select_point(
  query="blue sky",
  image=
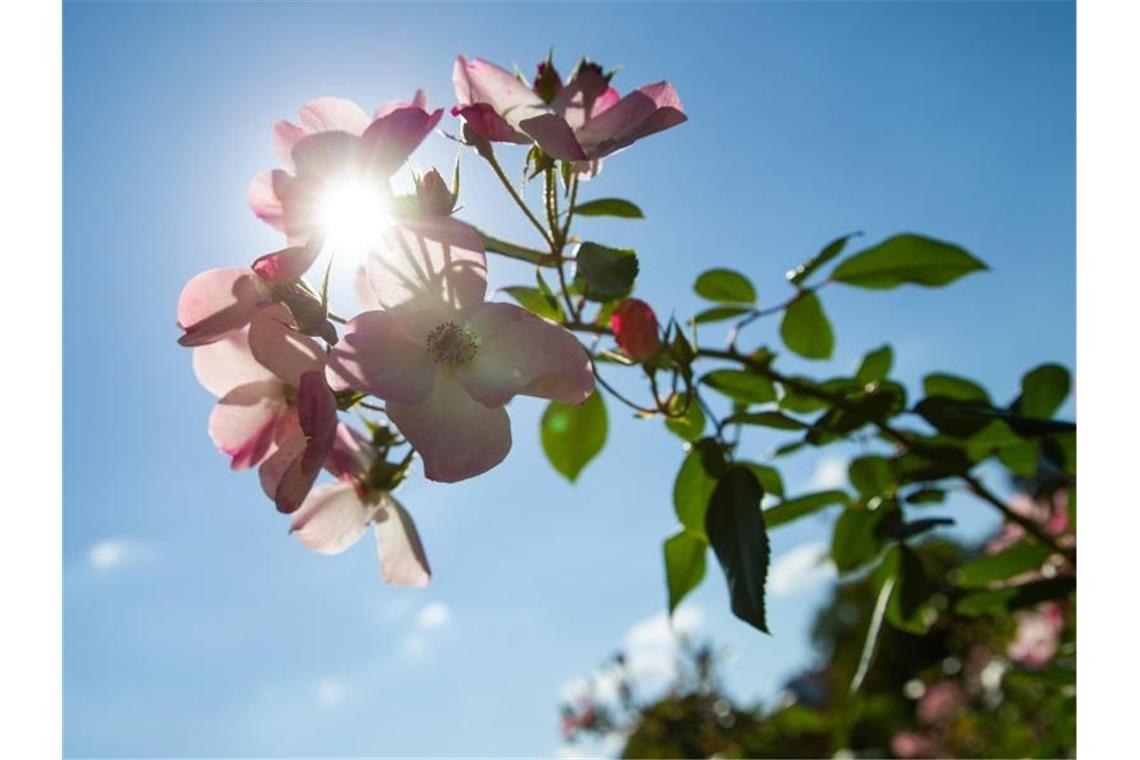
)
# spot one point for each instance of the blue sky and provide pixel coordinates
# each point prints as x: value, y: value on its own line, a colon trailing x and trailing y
x: 193, y: 624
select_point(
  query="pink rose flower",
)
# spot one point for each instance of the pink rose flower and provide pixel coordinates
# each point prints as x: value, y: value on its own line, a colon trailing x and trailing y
x: 335, y: 515
x: 275, y: 408
x: 1038, y: 635
x: 584, y: 121
x: 445, y: 361
x: 635, y: 329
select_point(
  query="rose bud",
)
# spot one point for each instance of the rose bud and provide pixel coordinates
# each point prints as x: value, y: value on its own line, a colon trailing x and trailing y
x: 434, y: 196
x: 635, y: 328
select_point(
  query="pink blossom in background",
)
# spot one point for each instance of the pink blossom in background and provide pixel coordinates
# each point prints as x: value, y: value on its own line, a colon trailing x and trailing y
x: 1038, y: 635
x: 911, y: 745
x: 445, y: 361
x: 941, y: 702
x: 335, y: 515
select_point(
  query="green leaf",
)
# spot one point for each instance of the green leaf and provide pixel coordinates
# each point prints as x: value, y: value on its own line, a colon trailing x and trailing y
x: 602, y: 273
x: 876, y: 366
x: 684, y: 565
x: 1043, y: 390
x: 572, y: 434
x: 1022, y: 557
x: 1015, y: 597
x: 766, y: 419
x: 801, y: 506
x: 855, y: 539
x: 494, y: 245
x: 689, y: 427
x: 913, y: 528
x: 953, y: 387
x: 1021, y: 458
x: 609, y: 207
x: 926, y: 496
x: 695, y: 482
x: 720, y: 313
x: 741, y: 386
x: 805, y: 328
x: 906, y: 258
x: 735, y: 528
x: 829, y: 252
x: 963, y: 419
x: 725, y: 286
x: 912, y: 588
x: 871, y: 475
x: 795, y: 401
x: 768, y: 477
x: 533, y: 300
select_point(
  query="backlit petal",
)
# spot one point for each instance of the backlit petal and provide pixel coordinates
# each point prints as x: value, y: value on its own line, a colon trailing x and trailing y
x: 242, y: 422
x: 384, y: 353
x: 329, y: 114
x: 331, y: 519
x: 430, y: 263
x: 227, y: 363
x: 403, y: 561
x: 217, y: 301
x: 285, y: 352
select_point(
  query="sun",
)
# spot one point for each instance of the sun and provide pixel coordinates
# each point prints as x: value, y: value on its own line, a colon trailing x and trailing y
x: 354, y: 214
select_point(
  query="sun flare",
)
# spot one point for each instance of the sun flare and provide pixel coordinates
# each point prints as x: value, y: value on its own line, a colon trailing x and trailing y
x: 354, y: 214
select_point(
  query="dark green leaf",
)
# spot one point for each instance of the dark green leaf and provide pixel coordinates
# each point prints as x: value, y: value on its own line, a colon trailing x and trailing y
x: 926, y: 496
x: 533, y: 300
x: 1022, y: 458
x: 887, y: 400
x: 912, y: 588
x: 793, y: 509
x: 768, y: 477
x: 871, y: 475
x: 692, y: 424
x: 572, y: 434
x: 964, y: 419
x: 805, y: 328
x: 856, y: 537
x: 766, y: 419
x: 720, y: 313
x: 725, y: 286
x: 604, y: 273
x: 829, y: 252
x: 609, y: 207
x: 913, y: 528
x: 684, y: 565
x: 906, y: 258
x: 1022, y: 557
x: 876, y: 366
x: 953, y: 387
x: 736, y: 533
x: 695, y: 482
x: 1043, y: 390
x: 741, y: 386
x: 1015, y: 597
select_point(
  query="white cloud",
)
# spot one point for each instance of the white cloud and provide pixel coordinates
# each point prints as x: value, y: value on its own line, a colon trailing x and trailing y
x: 108, y: 553
x: 800, y: 569
x: 830, y: 472
x: 330, y: 692
x: 432, y: 616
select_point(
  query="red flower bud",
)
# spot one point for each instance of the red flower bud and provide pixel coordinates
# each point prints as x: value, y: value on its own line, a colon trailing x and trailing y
x: 434, y: 196
x: 635, y: 327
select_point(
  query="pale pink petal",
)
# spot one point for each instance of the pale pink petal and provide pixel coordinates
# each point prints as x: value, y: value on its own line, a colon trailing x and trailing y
x: 264, y: 202
x: 419, y: 100
x: 605, y: 102
x: 523, y: 353
x: 578, y: 101
x: 433, y: 262
x: 227, y: 363
x: 457, y: 436
x: 363, y: 289
x: 403, y: 561
x: 217, y: 301
x: 286, y: 135
x: 331, y: 519
x: 650, y: 109
x: 285, y: 265
x: 288, y: 445
x: 352, y: 453
x: 486, y: 123
x: 327, y: 155
x: 555, y: 137
x: 285, y: 352
x: 389, y: 140
x: 479, y: 81
x: 316, y: 411
x: 384, y: 353
x: 242, y: 423
x: 333, y: 114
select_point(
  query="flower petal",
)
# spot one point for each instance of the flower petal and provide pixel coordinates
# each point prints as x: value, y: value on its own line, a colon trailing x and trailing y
x: 217, y: 301
x: 327, y: 155
x: 578, y: 101
x: 286, y: 265
x: 479, y: 81
x: 555, y: 137
x: 227, y: 363
x: 331, y: 519
x: 389, y: 140
x: 430, y: 263
x: 286, y: 135
x: 383, y: 353
x: 457, y: 437
x: 649, y: 109
x: 352, y: 453
x: 403, y: 561
x: 316, y: 411
x: 242, y: 423
x: 419, y: 100
x: 288, y: 444
x: 285, y: 352
x: 264, y: 202
x: 331, y: 114
x: 486, y: 123
x: 523, y: 353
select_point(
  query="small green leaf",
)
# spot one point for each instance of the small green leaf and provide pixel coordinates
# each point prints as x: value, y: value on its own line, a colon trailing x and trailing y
x: 906, y: 258
x: 805, y: 328
x: 912, y: 588
x: 741, y: 386
x: 533, y: 300
x: 735, y: 528
x: 913, y: 528
x: 766, y: 419
x: 926, y: 496
x: 855, y: 539
x: 1015, y: 597
x: 768, y: 477
x: 1043, y: 390
x: 829, y: 252
x: 871, y: 475
x: 1021, y: 458
x: 692, y: 424
x: 953, y: 387
x: 720, y: 313
x: 695, y: 482
x: 801, y: 506
x: 1022, y: 557
x: 876, y: 366
x: 572, y: 434
x: 602, y: 273
x: 725, y: 286
x: 684, y: 565
x: 609, y: 207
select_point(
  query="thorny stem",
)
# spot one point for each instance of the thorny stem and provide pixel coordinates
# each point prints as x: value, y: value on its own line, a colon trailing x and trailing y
x: 490, y: 158
x: 557, y: 242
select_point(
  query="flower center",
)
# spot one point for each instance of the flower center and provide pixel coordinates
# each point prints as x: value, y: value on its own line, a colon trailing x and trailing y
x: 452, y: 345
